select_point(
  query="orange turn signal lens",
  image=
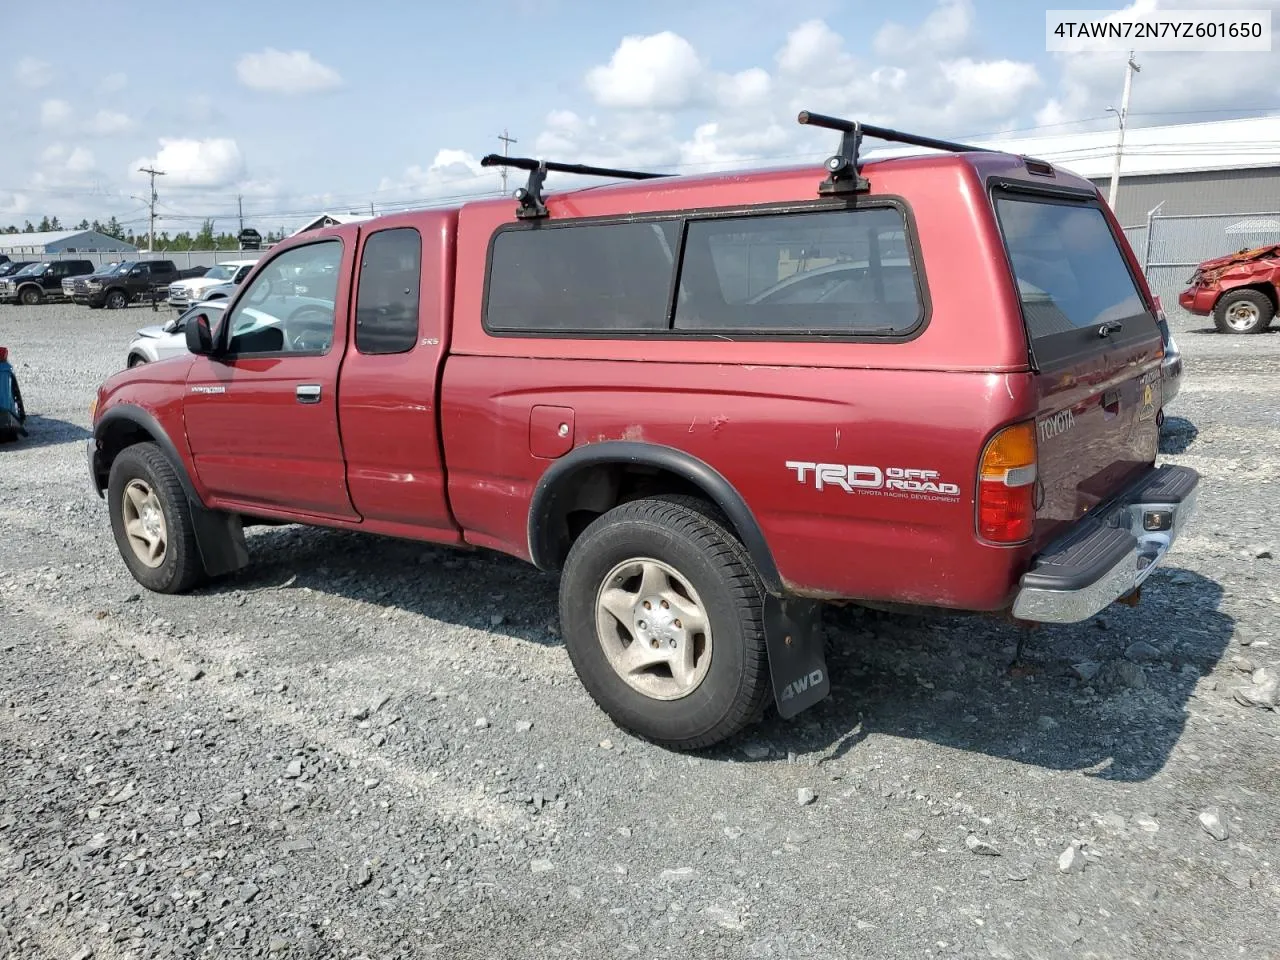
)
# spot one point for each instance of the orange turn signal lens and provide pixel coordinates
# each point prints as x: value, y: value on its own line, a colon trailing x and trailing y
x: 1006, y: 485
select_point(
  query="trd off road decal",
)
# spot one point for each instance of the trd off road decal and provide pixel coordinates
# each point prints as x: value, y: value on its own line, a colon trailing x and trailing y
x: 902, y: 483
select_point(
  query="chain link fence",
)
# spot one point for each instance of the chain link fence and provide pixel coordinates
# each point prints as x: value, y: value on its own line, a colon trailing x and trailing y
x: 1171, y: 247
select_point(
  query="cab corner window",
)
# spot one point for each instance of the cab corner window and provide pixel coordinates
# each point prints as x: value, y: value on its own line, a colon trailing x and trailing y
x: 387, y: 297
x: 289, y: 307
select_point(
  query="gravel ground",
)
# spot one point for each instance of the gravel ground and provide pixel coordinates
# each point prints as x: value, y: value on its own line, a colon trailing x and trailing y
x: 368, y: 748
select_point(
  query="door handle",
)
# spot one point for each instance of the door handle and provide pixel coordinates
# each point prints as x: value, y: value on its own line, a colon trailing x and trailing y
x: 307, y: 392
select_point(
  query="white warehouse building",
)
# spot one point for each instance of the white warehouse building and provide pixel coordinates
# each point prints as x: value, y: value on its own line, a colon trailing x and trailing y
x: 60, y: 243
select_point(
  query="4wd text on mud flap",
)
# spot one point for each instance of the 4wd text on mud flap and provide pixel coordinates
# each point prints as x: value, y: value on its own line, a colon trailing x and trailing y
x: 853, y: 478
x: 811, y: 679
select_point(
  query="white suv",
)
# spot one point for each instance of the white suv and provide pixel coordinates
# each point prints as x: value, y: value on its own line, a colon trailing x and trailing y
x: 186, y: 292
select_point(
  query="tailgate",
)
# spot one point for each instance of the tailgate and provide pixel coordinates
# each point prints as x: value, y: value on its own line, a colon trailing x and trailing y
x: 1096, y: 348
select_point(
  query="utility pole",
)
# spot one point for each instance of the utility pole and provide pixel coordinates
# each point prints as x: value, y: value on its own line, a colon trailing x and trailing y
x: 1122, y: 114
x: 151, y: 241
x: 506, y: 143
x: 240, y: 210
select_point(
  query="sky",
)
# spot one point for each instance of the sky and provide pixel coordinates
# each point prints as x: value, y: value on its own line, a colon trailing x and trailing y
x: 300, y: 106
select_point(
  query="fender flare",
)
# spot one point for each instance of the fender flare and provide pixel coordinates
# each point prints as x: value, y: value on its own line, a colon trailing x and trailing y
x: 128, y: 413
x: 710, y: 481
x: 219, y: 535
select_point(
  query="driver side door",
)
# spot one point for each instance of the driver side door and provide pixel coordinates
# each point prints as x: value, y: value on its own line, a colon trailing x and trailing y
x: 261, y: 412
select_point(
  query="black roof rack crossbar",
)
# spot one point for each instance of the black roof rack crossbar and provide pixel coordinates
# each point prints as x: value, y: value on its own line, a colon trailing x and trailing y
x: 532, y: 203
x: 843, y: 169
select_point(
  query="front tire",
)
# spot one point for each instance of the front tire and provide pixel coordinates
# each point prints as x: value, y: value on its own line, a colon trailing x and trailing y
x: 661, y: 612
x: 136, y: 360
x: 151, y: 520
x: 116, y: 300
x: 30, y: 296
x: 1243, y: 311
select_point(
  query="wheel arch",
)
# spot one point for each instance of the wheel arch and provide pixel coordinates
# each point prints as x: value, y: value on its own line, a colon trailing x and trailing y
x: 597, y: 477
x: 1264, y: 287
x: 123, y: 426
x: 219, y: 535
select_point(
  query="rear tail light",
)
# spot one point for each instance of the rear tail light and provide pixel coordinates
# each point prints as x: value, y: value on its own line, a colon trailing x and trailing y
x: 1007, y: 484
x: 4, y: 354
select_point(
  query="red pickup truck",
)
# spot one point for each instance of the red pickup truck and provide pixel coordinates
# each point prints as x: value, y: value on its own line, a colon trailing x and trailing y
x: 712, y: 403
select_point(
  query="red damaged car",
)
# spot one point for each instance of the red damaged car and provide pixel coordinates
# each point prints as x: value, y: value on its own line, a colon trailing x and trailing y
x: 1238, y: 289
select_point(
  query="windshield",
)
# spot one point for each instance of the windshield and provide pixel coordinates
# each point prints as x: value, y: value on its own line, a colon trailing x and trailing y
x: 31, y: 270
x: 109, y: 268
x: 11, y: 268
x: 220, y: 271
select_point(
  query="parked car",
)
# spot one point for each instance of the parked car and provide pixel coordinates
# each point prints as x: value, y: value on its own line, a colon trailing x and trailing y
x: 11, y: 267
x: 163, y: 340
x: 41, y: 281
x: 13, y: 415
x: 592, y: 382
x: 186, y: 292
x: 76, y: 289
x: 130, y: 282
x: 1240, y: 290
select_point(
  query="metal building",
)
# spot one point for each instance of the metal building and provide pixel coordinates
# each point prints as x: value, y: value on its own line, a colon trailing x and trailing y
x: 1218, y: 167
x: 56, y: 242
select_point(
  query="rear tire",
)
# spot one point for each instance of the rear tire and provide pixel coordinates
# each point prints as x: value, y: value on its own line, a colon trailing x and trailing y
x: 1243, y: 312
x: 151, y: 520
x: 661, y: 611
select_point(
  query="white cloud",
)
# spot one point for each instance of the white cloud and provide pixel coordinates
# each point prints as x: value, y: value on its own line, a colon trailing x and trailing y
x: 55, y: 114
x: 113, y: 83
x: 450, y: 173
x: 947, y: 29
x: 930, y: 75
x: 80, y: 160
x: 215, y: 162
x: 287, y: 72
x: 989, y: 88
x: 661, y: 71
x: 106, y: 123
x: 32, y: 73
x: 63, y: 168
x: 812, y: 46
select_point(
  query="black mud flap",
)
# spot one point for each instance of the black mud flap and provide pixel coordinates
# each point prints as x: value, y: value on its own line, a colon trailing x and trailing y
x: 797, y: 661
x: 220, y: 539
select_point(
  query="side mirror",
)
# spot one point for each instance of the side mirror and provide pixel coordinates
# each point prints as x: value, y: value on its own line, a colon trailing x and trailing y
x: 199, y: 336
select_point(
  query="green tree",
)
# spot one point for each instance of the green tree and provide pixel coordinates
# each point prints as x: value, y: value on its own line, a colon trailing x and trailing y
x: 97, y: 225
x: 11, y: 229
x: 28, y: 228
x: 44, y: 225
x: 204, y: 239
x: 54, y: 224
x: 113, y: 229
x: 84, y: 225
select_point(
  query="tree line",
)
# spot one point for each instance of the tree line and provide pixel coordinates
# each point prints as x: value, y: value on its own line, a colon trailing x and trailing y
x: 203, y: 239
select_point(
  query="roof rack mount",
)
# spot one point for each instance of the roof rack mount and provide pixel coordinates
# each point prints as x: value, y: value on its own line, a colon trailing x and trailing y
x: 844, y: 173
x: 532, y: 202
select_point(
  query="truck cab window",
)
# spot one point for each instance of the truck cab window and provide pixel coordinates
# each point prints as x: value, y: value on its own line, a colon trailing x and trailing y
x: 387, y: 300
x: 289, y: 307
